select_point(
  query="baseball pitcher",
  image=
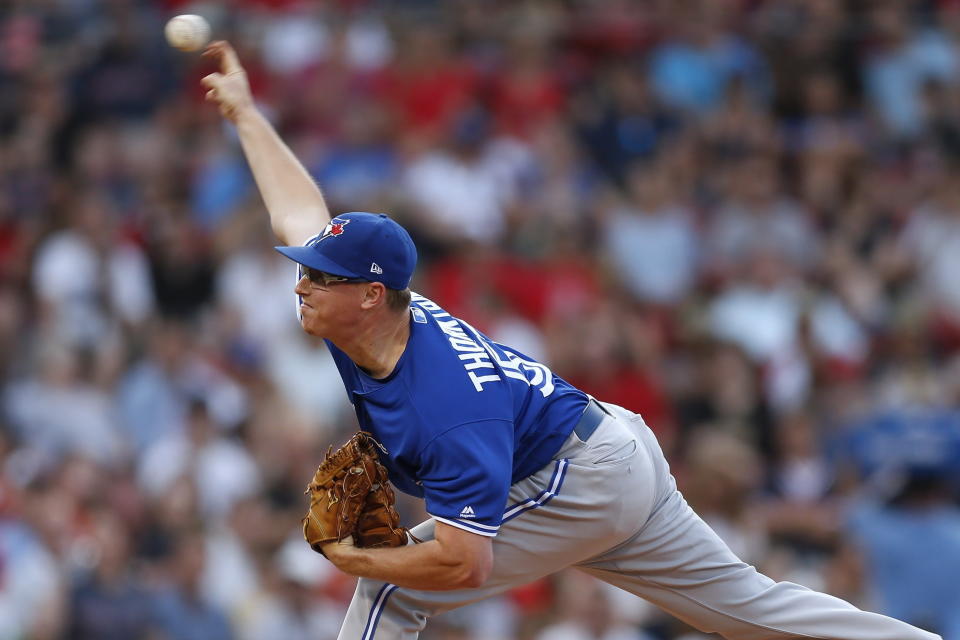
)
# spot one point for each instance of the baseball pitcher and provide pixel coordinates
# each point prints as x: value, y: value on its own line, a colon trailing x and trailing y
x: 521, y: 473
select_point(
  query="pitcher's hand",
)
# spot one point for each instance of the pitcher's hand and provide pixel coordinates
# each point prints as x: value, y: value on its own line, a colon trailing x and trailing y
x: 228, y: 88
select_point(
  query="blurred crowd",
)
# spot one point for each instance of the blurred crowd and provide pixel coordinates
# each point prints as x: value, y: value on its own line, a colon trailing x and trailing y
x: 740, y: 218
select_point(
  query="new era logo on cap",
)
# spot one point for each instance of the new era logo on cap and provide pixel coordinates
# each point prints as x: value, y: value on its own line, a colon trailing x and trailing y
x: 360, y: 245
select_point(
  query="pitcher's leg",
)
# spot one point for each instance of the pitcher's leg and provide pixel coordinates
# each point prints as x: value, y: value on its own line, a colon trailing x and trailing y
x: 678, y: 563
x: 561, y: 515
x: 365, y: 616
x: 366, y: 609
x: 381, y: 611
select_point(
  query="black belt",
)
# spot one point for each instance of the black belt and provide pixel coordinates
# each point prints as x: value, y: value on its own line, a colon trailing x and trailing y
x: 590, y: 420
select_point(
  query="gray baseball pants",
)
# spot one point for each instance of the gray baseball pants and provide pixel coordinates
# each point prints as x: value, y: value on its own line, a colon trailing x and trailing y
x: 611, y: 508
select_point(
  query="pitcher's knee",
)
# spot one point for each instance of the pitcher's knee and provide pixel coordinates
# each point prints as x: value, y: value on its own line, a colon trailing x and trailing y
x: 383, y: 596
x: 377, y: 595
x: 384, y: 606
x: 368, y: 588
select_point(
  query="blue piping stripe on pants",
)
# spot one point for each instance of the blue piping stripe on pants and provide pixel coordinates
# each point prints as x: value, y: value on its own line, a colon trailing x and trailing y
x: 556, y: 482
x: 378, y: 605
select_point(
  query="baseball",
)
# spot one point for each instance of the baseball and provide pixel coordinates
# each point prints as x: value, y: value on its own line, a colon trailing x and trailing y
x: 187, y: 32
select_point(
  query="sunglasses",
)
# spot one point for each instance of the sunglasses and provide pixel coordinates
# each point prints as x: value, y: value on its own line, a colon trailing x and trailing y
x: 323, y: 279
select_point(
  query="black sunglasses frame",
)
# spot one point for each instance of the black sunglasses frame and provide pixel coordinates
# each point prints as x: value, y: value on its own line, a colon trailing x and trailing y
x: 324, y: 280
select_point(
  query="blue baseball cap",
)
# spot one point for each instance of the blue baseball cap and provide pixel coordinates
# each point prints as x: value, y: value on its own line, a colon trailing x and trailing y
x: 370, y: 246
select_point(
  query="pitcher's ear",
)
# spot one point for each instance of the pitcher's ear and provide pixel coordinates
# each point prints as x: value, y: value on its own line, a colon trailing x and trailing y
x: 374, y: 293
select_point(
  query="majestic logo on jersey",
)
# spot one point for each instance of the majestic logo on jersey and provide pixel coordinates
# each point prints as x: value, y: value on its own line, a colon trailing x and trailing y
x: 334, y: 228
x: 468, y: 512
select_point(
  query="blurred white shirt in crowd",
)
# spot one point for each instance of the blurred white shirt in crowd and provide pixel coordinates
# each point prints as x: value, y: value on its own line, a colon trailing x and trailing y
x: 75, y: 419
x: 222, y: 471
x: 258, y: 285
x: 782, y: 227
x: 58, y: 411
x: 522, y: 335
x: 230, y: 576
x: 30, y: 581
x: 932, y: 239
x: 72, y: 276
x: 762, y: 321
x: 467, y: 200
x: 304, y: 372
x: 296, y: 40
x: 655, y: 254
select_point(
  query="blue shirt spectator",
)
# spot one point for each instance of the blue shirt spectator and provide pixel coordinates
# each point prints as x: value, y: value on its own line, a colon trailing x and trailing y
x: 695, y: 74
x: 912, y: 549
x: 181, y: 617
x: 180, y: 611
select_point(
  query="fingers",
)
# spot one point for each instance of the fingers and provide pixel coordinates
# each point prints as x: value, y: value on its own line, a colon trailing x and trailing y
x: 230, y: 63
x: 212, y: 81
x: 230, y: 93
x: 214, y: 50
x: 226, y: 57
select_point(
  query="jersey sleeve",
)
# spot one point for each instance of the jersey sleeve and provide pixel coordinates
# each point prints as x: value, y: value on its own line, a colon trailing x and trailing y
x: 465, y: 474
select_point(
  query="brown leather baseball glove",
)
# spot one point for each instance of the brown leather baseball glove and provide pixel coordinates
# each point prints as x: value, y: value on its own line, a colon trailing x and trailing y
x: 350, y: 495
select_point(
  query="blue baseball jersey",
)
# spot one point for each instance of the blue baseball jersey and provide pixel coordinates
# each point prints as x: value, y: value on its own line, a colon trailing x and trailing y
x: 462, y: 417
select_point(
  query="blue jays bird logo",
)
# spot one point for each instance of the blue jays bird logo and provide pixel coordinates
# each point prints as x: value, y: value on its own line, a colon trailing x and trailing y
x: 334, y: 228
